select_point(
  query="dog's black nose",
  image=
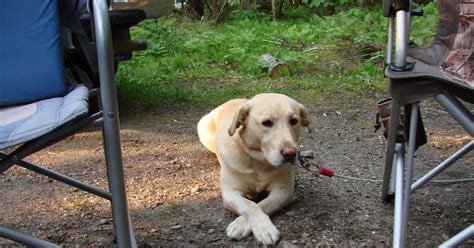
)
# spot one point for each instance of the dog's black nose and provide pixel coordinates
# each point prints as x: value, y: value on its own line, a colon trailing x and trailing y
x: 289, y: 153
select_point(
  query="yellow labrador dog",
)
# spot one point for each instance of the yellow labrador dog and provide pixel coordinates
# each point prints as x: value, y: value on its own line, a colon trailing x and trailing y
x: 256, y: 144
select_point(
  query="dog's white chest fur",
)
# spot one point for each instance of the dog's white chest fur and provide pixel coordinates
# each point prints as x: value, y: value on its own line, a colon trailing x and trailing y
x: 256, y: 178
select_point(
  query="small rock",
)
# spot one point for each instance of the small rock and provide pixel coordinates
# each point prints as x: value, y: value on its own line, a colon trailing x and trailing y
x: 444, y: 236
x: 215, y: 239
x: 290, y: 213
x: 195, y: 189
x: 305, y: 235
x: 285, y: 244
x: 238, y: 246
x: 307, y: 154
x: 210, y: 231
x: 104, y: 221
x: 176, y: 227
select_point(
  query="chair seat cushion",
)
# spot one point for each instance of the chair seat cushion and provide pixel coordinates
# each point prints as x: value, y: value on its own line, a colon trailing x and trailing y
x: 22, y: 123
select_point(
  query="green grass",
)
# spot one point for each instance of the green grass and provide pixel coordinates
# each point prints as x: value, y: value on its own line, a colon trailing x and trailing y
x: 199, y: 63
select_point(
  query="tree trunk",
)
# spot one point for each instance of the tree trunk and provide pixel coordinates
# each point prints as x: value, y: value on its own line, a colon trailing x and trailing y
x: 245, y: 4
x: 196, y: 9
x: 274, y: 17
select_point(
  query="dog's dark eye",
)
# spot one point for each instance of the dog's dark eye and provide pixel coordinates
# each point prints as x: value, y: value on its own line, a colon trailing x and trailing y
x: 293, y: 121
x: 267, y: 123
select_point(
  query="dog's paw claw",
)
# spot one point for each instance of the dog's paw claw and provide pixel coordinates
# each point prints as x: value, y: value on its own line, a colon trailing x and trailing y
x: 238, y: 229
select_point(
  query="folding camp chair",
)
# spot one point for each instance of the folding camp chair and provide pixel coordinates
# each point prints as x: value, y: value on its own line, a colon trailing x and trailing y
x: 43, y: 101
x: 444, y: 71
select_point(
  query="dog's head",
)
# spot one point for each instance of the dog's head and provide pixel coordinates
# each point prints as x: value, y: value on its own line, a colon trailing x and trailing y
x: 269, y: 126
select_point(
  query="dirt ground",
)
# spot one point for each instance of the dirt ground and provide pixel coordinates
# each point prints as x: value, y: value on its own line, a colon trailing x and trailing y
x: 174, y: 197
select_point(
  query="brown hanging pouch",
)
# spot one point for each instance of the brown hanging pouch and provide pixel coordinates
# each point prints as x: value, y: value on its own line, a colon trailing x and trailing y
x: 403, y: 129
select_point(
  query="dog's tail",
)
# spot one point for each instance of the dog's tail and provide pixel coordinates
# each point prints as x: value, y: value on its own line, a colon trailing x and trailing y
x: 207, y: 129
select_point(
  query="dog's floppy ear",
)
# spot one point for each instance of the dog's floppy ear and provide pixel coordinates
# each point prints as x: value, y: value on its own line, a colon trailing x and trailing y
x: 239, y: 119
x: 305, y: 117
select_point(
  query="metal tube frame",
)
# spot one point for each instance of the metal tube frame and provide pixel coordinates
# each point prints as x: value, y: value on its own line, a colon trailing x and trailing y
x: 399, y: 160
x: 401, y: 38
x: 392, y: 133
x: 404, y: 175
x: 61, y: 177
x: 457, y: 110
x: 111, y: 129
x: 401, y: 43
x: 23, y: 238
x: 409, y: 168
x: 442, y: 166
x: 459, y: 238
x: 465, y: 118
x: 389, y: 58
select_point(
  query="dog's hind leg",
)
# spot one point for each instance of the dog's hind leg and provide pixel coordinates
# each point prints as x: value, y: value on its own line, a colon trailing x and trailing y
x: 207, y: 128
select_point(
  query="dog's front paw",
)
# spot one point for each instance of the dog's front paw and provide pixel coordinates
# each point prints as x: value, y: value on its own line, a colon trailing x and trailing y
x: 264, y: 230
x: 238, y: 229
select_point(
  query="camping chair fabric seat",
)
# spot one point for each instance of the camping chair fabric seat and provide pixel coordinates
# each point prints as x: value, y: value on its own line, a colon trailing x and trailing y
x: 26, y: 122
x: 452, y: 50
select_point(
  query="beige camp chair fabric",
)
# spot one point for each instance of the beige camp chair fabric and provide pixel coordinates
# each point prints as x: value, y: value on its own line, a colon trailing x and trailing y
x: 459, y: 62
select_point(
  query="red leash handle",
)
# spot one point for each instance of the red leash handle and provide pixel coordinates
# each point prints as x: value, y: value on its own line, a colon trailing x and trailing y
x: 326, y: 171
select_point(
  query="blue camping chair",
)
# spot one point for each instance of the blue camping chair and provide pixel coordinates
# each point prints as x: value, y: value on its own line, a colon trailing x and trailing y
x: 43, y: 97
x: 443, y: 71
